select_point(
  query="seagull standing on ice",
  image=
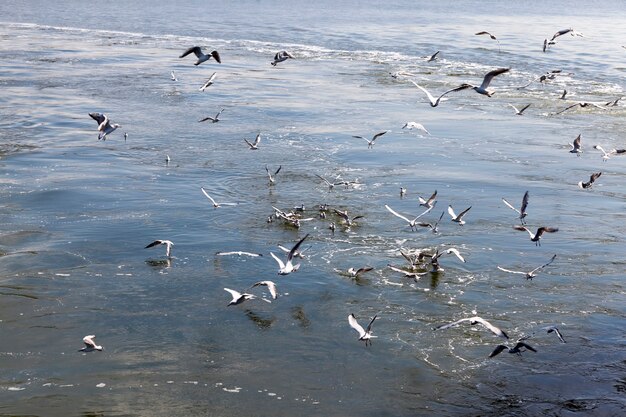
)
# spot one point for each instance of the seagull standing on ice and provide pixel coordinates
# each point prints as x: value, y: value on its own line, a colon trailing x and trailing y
x: 168, y: 246
x: 370, y: 143
x: 522, y: 211
x: 238, y: 297
x: 201, y: 57
x: 474, y: 321
x: 535, y: 237
x: 458, y: 219
x: 364, y: 334
x: 288, y: 267
x: 90, y: 345
x: 530, y: 274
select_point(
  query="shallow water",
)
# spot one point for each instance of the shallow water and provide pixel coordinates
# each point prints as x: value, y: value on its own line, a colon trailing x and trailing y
x: 77, y: 212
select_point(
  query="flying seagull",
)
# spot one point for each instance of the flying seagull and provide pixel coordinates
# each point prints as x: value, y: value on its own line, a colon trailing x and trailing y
x: 434, y: 260
x: 104, y: 125
x: 364, y: 334
x: 565, y: 31
x: 592, y: 179
x: 370, y: 143
x: 522, y: 210
x: 520, y: 112
x: 530, y: 274
x: 201, y: 57
x: 482, y: 89
x: 430, y: 202
x: 535, y: 237
x: 433, y: 227
x: 270, y: 286
x: 576, y: 146
x: 288, y: 267
x: 555, y: 330
x: 582, y: 104
x: 458, y: 219
x: 173, y: 76
x: 356, y: 273
x: 90, y: 345
x: 238, y: 253
x: 215, y: 204
x: 168, y: 246
x: 432, y: 57
x: 238, y: 297
x: 563, y: 95
x: 271, y: 177
x: 208, y: 82
x: 474, y: 321
x: 412, y: 223
x: 213, y: 119
x: 331, y: 185
x: 414, y: 125
x: 490, y: 35
x: 254, y: 146
x: 518, y: 349
x: 434, y: 102
x: 607, y: 155
x: 280, y: 57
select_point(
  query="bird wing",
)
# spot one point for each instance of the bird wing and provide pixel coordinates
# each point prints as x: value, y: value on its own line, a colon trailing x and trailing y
x: 433, y: 101
x: 325, y: 180
x: 432, y: 198
x: 456, y: 253
x: 88, y: 340
x: 567, y: 108
x: 281, y: 264
x: 208, y: 196
x: 377, y: 135
x: 497, y: 350
x: 363, y: 270
x: 524, y: 345
x: 515, y: 108
x: 216, y: 56
x: 554, y: 329
x: 369, y: 326
x: 489, y: 76
x: 235, y: 294
x: 278, y: 170
x: 207, y: 118
x: 295, y: 248
x: 448, y: 325
x: 451, y: 212
x: 98, y: 117
x: 495, y: 330
x: 257, y: 140
x: 433, y: 56
x: 461, y: 214
x: 576, y: 143
x: 524, y: 108
x: 522, y: 228
x: 544, y: 265
x: 248, y: 142
x: 512, y: 272
x: 195, y: 49
x: 361, y: 137
x: 510, y: 206
x: 594, y: 176
x: 397, y: 214
x: 355, y: 325
x: 424, y: 213
x: 543, y: 229
x: 524, y: 203
x: 153, y: 244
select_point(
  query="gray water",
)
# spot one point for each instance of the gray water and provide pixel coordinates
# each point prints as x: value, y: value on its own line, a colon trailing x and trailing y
x: 76, y: 212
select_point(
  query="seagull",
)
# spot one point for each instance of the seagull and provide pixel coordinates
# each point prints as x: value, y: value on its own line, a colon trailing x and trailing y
x: 581, y: 104
x: 271, y: 177
x: 215, y: 204
x: 288, y: 267
x: 482, y: 89
x: 90, y: 345
x: 415, y: 260
x: 520, y: 112
x: 530, y: 274
x: 613, y: 103
x: 550, y: 75
x: 370, y: 143
x: 365, y: 335
x: 564, y: 94
x: 173, y: 76
x: 238, y: 253
x: 433, y: 227
x: 411, y: 223
x: 213, y: 119
x: 201, y: 57
x: 356, y: 273
x: 474, y: 321
x: 402, y: 192
x: 208, y: 82
x: 490, y: 35
x: 434, y: 102
x: 331, y: 185
x: 254, y: 146
x: 270, y: 286
x: 592, y: 178
x: 555, y: 330
x: 125, y: 136
x: 606, y: 155
x: 434, y: 260
x: 458, y: 219
x: 238, y: 297
x: 522, y: 211
x: 576, y: 146
x: 430, y: 202
x: 168, y: 246
x: 518, y: 349
x: 104, y: 125
x: 547, y: 43
x: 433, y: 57
x: 296, y: 254
x: 540, y: 231
x: 167, y: 160
x: 565, y: 31
x: 344, y: 215
x: 407, y: 274
x: 414, y: 125
x: 280, y: 57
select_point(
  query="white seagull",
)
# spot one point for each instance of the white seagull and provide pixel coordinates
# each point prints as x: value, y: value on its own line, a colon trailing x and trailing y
x: 288, y: 267
x: 474, y: 321
x: 458, y: 219
x: 530, y: 274
x: 104, y: 125
x: 202, y: 57
x: 565, y: 31
x: 215, y: 204
x: 520, y: 112
x: 238, y: 253
x: 90, y: 345
x: 430, y: 202
x: 168, y: 246
x: 490, y: 35
x: 238, y: 297
x: 607, y: 155
x: 364, y: 334
x: 331, y: 185
x: 254, y: 146
x: 434, y: 260
x: 576, y: 146
x: 535, y: 237
x: 434, y: 102
x: 208, y: 82
x: 173, y: 76
x: 271, y: 177
x: 592, y: 179
x: 482, y: 89
x: 415, y: 125
x: 370, y: 143
x: 356, y: 273
x: 213, y: 119
x: 280, y: 57
x: 522, y: 210
x: 412, y: 223
x: 270, y: 286
x: 517, y: 349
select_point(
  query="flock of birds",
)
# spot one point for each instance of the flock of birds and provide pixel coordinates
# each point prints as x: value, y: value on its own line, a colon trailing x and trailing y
x: 418, y: 262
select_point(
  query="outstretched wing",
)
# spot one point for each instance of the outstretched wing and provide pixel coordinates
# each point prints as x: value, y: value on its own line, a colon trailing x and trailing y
x: 397, y: 214
x: 356, y: 326
x: 195, y: 49
x: 489, y: 76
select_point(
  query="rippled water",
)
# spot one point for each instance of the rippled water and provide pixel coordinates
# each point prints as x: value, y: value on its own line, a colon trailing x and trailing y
x: 77, y: 212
